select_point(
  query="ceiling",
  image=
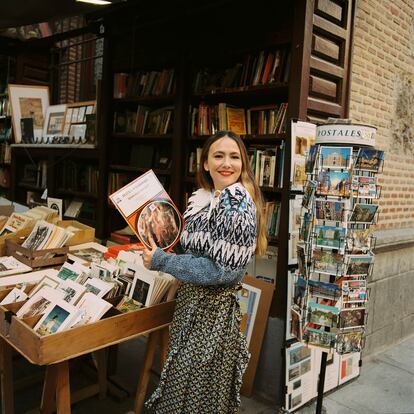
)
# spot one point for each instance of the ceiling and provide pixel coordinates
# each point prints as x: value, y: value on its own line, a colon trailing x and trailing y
x: 22, y: 12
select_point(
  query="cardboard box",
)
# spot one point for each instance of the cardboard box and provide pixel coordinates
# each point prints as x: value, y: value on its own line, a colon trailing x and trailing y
x: 84, y: 235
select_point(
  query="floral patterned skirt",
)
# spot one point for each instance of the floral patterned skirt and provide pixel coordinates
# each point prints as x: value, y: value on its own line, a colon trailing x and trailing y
x: 207, y: 354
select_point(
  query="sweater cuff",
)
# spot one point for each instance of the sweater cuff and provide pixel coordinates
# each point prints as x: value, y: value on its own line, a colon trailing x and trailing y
x: 157, y: 259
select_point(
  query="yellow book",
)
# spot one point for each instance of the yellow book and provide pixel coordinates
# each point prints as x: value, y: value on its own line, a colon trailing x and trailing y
x: 236, y: 120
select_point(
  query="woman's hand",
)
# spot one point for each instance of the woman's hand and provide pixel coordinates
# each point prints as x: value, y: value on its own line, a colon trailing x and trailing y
x: 147, y: 254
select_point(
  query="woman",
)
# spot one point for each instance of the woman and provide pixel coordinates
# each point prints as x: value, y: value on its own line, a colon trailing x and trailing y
x: 207, y: 353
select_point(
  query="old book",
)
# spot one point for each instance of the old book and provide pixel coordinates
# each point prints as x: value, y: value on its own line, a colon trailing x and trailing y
x: 236, y: 120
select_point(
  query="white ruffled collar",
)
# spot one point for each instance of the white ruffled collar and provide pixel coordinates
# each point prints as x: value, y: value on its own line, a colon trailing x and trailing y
x: 202, y: 198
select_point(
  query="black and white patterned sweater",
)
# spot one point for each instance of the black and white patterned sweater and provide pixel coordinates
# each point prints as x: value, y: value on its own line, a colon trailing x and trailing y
x: 219, y: 238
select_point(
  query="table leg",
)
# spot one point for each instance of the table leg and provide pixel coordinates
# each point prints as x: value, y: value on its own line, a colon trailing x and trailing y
x: 153, y: 338
x: 63, y: 388
x: 165, y: 335
x: 47, y: 405
x: 7, y: 398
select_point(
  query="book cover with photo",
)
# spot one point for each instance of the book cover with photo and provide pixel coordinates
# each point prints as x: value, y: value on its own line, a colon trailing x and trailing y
x: 149, y: 211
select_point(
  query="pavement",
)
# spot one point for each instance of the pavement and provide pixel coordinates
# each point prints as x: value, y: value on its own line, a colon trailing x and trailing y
x: 385, y: 386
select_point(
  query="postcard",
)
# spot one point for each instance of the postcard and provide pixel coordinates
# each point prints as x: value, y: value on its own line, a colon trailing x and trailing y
x: 351, y: 341
x: 328, y: 210
x: 15, y: 295
x: 302, y: 261
x: 249, y: 298
x: 98, y: 287
x: 335, y: 157
x: 323, y: 315
x: 45, y: 281
x: 358, y: 241
x: 311, y: 159
x: 72, y: 290
x: 363, y: 213
x: 333, y: 183
x: 11, y: 266
x: 349, y: 367
x: 306, y: 226
x: 354, y: 291
x: 57, y: 317
x: 90, y: 308
x: 364, y: 187
x: 39, y: 235
x: 295, y: 213
x: 369, y: 159
x: 296, y: 324
x: 72, y: 271
x: 88, y: 252
x: 352, y: 318
x: 319, y: 338
x: 309, y: 192
x: 127, y: 304
x: 358, y: 265
x: 327, y: 261
x: 330, y: 236
x: 324, y: 290
x: 299, y: 294
x: 298, y: 354
x: 149, y: 211
x: 38, y: 303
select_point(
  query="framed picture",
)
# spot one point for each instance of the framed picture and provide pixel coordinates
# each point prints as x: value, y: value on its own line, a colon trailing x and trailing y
x: 75, y: 119
x: 55, y: 117
x: 249, y: 298
x: 28, y: 102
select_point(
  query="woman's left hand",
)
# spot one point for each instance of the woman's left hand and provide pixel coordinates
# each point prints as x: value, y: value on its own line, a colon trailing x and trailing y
x: 147, y: 254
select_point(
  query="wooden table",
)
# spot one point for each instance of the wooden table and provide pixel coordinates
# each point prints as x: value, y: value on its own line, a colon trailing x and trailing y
x: 56, y: 350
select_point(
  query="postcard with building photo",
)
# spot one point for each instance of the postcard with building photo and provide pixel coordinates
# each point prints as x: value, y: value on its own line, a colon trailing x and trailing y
x: 358, y: 265
x: 324, y: 290
x: 38, y: 303
x: 352, y: 318
x: 333, y: 183
x: 323, y: 315
x: 98, y: 287
x: 309, y: 192
x: 330, y: 237
x: 335, y: 157
x: 88, y: 252
x: 364, y: 187
x: 354, y: 291
x: 363, y: 213
x: 57, y: 317
x: 359, y: 241
x: 350, y: 341
x: 39, y: 235
x: 72, y: 291
x: 305, y: 229
x: 319, y: 338
x: 330, y: 210
x: 298, y: 354
x: 369, y: 159
x: 311, y: 159
x: 327, y: 261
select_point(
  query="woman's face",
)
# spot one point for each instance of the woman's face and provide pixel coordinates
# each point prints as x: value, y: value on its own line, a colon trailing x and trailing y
x: 224, y: 162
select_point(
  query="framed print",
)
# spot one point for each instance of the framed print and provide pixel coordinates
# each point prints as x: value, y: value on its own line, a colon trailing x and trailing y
x: 54, y: 120
x: 249, y: 298
x: 28, y: 102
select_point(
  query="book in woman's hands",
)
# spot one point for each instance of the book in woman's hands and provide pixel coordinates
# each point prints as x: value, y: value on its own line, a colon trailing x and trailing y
x: 149, y: 211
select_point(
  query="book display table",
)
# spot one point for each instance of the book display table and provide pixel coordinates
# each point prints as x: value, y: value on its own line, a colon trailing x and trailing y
x: 55, y: 350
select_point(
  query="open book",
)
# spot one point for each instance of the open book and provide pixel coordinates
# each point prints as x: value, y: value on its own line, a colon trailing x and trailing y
x: 149, y: 211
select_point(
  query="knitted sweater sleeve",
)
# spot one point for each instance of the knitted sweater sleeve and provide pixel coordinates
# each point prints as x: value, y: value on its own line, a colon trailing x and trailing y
x: 233, y: 231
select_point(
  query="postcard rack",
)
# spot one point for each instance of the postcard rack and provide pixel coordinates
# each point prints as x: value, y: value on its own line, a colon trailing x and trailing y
x: 52, y: 350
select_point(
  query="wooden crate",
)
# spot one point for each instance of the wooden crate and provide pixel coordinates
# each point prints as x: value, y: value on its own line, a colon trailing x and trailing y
x: 61, y: 346
x: 21, y: 233
x: 35, y: 258
x: 84, y: 235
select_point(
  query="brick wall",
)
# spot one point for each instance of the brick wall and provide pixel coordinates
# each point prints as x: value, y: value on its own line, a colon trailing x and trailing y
x: 382, y: 94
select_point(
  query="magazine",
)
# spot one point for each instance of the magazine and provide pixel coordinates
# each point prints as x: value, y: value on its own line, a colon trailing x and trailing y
x: 149, y: 211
